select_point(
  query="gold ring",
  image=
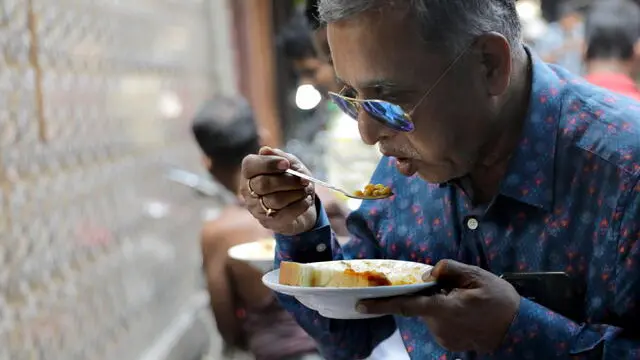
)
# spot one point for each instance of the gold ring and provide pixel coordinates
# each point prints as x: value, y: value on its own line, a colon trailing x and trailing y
x: 251, y: 192
x: 270, y: 212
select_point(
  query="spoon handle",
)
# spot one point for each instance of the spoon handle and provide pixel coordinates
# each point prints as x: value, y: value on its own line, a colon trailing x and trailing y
x: 314, y: 180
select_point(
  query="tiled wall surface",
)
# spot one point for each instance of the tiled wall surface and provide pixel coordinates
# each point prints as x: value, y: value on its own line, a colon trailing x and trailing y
x: 97, y: 250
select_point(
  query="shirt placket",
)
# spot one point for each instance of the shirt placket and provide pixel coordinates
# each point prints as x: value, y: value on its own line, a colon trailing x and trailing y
x: 471, y: 249
x: 471, y: 246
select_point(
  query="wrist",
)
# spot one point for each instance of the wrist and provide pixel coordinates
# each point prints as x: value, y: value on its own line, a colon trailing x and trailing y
x: 309, y: 246
x: 537, y: 332
x: 314, y: 218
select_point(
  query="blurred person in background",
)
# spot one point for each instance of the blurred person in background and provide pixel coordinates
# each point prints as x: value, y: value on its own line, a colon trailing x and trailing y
x: 308, y: 139
x: 613, y: 29
x: 247, y: 314
x: 319, y: 32
x: 563, y: 42
x: 311, y: 138
x: 297, y: 44
x: 636, y: 63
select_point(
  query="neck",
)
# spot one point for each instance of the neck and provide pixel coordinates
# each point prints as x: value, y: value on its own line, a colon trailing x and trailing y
x: 609, y: 66
x: 488, y: 173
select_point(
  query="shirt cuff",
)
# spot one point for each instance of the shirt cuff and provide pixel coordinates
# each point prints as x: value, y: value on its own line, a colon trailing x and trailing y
x: 537, y: 332
x: 311, y: 246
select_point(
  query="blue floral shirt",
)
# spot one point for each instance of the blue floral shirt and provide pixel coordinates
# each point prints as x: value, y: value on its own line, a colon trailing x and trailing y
x: 570, y: 202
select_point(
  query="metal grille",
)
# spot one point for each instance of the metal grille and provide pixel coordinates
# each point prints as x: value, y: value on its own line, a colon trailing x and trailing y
x: 97, y: 249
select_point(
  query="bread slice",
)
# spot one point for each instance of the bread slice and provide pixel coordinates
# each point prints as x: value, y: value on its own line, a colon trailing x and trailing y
x: 345, y: 274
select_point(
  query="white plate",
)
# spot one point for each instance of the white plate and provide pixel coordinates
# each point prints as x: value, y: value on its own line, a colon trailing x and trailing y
x: 340, y: 303
x: 258, y: 254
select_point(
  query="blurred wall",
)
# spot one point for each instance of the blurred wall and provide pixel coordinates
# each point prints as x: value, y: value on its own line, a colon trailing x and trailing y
x: 98, y: 253
x: 254, y: 37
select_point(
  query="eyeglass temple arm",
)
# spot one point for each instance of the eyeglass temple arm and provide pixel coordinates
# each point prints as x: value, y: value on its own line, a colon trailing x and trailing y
x: 444, y: 73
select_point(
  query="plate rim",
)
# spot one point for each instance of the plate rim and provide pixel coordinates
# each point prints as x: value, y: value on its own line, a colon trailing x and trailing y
x: 409, y: 288
x: 271, y: 258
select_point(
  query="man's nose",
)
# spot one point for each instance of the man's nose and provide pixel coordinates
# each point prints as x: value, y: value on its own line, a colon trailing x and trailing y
x: 371, y: 130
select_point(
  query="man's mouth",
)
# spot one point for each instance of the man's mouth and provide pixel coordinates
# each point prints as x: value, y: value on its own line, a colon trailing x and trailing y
x: 405, y: 165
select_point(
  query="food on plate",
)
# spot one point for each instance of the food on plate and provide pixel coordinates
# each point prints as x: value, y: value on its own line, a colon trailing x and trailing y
x: 345, y: 274
x: 374, y: 191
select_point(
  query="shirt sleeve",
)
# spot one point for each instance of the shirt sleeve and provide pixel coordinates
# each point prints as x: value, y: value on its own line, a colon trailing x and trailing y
x: 337, y: 339
x: 538, y: 333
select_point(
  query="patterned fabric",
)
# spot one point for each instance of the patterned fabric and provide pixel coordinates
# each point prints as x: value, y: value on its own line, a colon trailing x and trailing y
x: 570, y: 202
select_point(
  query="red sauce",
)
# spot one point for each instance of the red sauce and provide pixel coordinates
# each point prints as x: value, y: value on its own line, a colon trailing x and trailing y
x: 373, y: 277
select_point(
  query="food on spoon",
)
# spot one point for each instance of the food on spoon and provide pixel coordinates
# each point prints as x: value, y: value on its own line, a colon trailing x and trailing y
x: 374, y: 191
x: 346, y: 274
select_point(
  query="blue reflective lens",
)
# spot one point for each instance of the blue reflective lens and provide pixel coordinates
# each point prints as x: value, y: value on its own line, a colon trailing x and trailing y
x: 389, y: 114
x: 346, y: 106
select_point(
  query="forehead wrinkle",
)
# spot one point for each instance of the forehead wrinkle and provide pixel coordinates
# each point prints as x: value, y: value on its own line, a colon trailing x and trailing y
x: 372, y: 83
x: 355, y: 43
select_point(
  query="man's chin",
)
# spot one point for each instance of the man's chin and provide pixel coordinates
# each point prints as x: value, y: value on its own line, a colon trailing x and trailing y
x: 432, y: 178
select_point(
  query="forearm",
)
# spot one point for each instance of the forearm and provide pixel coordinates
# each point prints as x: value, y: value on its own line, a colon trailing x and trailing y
x: 538, y: 333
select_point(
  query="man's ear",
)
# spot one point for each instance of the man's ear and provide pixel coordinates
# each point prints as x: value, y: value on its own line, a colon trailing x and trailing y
x: 496, y: 61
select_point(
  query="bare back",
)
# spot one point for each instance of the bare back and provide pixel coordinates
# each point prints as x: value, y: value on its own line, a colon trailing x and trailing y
x: 247, y: 313
x: 236, y: 226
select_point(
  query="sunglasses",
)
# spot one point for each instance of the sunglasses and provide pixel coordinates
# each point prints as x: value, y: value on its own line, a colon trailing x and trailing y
x: 387, y: 113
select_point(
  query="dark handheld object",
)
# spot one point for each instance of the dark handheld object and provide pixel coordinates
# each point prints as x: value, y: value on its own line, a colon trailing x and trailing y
x: 556, y: 291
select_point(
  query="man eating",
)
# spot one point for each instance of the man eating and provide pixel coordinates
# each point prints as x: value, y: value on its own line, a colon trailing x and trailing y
x: 499, y: 164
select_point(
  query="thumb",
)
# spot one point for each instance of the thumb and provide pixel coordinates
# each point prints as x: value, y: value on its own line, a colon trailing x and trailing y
x: 454, y: 274
x: 266, y: 150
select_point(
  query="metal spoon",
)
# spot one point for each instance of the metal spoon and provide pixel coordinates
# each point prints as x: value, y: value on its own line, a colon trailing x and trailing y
x: 329, y: 186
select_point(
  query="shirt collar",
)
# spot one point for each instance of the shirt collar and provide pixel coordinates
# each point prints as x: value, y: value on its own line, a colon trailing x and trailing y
x: 530, y: 174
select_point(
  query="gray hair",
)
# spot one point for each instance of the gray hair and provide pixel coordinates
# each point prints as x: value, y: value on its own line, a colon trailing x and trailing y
x: 450, y: 24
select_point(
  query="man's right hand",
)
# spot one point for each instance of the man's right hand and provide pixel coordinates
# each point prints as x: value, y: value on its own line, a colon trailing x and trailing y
x: 265, y: 186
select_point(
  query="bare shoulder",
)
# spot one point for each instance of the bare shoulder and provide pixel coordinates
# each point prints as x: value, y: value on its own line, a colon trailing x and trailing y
x: 229, y: 219
x: 234, y: 226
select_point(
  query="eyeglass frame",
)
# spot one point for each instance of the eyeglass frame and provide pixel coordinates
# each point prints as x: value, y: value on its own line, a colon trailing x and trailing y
x: 408, y: 115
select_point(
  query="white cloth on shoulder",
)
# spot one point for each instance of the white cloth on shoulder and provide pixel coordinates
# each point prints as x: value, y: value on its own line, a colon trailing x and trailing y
x: 390, y: 349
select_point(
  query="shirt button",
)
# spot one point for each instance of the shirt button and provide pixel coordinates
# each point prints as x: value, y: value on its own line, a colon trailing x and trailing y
x: 321, y: 247
x: 472, y: 223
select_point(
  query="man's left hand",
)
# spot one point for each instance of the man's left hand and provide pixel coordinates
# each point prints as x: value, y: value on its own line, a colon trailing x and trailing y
x: 474, y: 314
